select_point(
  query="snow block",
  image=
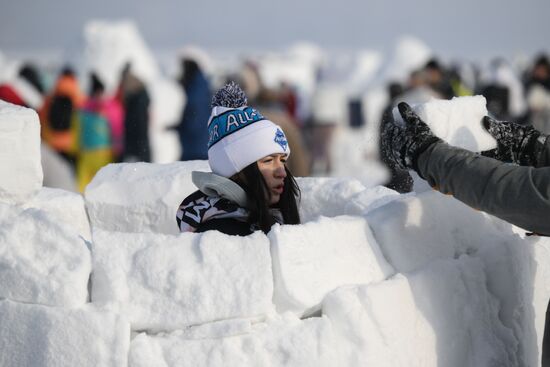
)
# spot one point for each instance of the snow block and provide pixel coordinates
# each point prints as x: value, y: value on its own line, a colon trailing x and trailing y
x: 20, y: 168
x: 418, y: 229
x: 164, y: 282
x: 66, y: 207
x: 41, y: 261
x: 330, y: 197
x: 284, y: 342
x: 441, y: 315
x: 313, y: 259
x: 140, y: 197
x: 39, y: 336
x: 540, y: 296
x: 457, y: 121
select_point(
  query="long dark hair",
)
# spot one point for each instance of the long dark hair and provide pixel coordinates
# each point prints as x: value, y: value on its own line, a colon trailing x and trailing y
x: 251, y: 180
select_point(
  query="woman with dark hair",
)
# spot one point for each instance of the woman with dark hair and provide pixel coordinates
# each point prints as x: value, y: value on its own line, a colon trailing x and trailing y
x: 250, y: 188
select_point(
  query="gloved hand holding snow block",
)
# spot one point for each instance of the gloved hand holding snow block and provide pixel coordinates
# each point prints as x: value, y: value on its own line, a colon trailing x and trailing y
x: 41, y: 260
x: 457, y: 121
x: 165, y: 282
x: 418, y: 229
x: 287, y: 341
x: 313, y: 259
x: 39, y: 336
x: 65, y: 206
x: 20, y: 168
x: 439, y: 315
x: 330, y: 197
x: 140, y: 197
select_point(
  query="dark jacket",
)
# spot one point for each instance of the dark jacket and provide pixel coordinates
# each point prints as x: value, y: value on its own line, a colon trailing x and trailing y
x: 192, y: 129
x: 219, y: 204
x: 136, y: 123
x: 517, y: 194
x: 228, y: 226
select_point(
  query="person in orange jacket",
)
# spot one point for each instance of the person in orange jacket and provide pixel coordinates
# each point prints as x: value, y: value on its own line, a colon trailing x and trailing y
x: 59, y: 115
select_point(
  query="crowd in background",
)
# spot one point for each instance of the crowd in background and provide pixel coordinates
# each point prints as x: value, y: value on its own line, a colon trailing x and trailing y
x: 89, y: 129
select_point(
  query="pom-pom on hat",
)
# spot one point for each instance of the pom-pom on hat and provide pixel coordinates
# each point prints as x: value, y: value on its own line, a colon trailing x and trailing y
x: 238, y: 134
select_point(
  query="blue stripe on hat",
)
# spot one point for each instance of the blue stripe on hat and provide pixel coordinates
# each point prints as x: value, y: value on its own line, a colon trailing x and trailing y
x: 231, y: 121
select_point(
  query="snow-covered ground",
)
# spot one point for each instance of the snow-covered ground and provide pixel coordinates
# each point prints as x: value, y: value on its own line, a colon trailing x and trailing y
x: 371, y: 277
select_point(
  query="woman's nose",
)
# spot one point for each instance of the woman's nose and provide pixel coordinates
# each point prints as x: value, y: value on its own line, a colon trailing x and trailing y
x: 280, y: 171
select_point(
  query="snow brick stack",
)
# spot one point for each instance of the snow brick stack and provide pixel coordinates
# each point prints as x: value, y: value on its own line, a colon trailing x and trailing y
x: 371, y: 277
x: 64, y: 207
x: 284, y: 341
x: 39, y: 336
x: 20, y: 167
x: 165, y: 283
x: 330, y: 197
x: 45, y: 264
x: 492, y: 261
x: 140, y: 197
x: 427, y: 318
x: 313, y: 259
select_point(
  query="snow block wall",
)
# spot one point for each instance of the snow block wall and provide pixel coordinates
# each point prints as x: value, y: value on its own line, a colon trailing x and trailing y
x: 64, y: 207
x: 331, y: 197
x: 285, y: 341
x: 39, y: 336
x: 41, y: 261
x: 164, y: 282
x: 431, y: 317
x: 140, y: 197
x: 371, y: 277
x: 20, y: 167
x: 313, y: 259
x: 418, y: 231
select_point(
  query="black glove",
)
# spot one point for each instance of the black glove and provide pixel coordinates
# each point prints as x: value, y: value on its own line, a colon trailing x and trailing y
x: 401, y: 146
x: 520, y: 144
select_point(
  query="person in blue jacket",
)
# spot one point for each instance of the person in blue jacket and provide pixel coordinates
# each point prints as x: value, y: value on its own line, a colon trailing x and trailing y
x: 192, y: 134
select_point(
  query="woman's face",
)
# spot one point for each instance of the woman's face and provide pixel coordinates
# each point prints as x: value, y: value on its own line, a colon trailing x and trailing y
x: 272, y: 168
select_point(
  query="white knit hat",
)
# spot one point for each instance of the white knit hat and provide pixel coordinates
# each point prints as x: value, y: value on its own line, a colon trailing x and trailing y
x: 239, y: 135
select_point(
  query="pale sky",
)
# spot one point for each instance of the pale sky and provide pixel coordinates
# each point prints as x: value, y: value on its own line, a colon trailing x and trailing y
x: 467, y: 28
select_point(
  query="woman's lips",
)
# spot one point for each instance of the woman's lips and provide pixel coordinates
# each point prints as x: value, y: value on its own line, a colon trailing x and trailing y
x: 278, y: 189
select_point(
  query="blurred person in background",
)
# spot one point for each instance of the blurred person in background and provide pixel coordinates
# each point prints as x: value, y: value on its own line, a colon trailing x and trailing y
x: 136, y: 102
x: 329, y: 109
x: 101, y: 122
x: 538, y: 94
x: 460, y: 88
x: 275, y: 107
x: 192, y: 134
x: 59, y: 116
x: 437, y: 78
x: 504, y: 92
x: 416, y: 90
x: 25, y: 89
